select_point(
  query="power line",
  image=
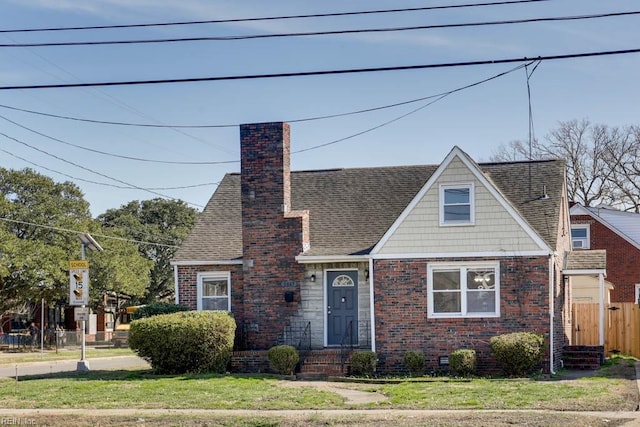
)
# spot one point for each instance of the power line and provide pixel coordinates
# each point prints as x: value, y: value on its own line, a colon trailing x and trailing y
x: 320, y: 33
x: 91, y: 170
x: 397, y: 104
x: 104, y: 153
x: 104, y: 183
x: 204, y: 126
x: 323, y: 72
x: 271, y: 18
x: 438, y: 98
x: 105, y: 236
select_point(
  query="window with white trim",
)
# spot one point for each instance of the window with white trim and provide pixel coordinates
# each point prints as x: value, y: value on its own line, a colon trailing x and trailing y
x: 214, y: 291
x: 456, y: 204
x: 463, y: 290
x: 580, y: 236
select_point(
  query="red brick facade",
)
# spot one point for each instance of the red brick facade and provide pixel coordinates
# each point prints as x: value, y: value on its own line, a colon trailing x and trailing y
x: 272, y: 235
x: 401, y: 312
x: 623, y: 259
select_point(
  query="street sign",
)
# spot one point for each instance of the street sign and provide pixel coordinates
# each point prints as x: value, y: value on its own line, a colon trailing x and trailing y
x: 81, y: 313
x: 79, y: 282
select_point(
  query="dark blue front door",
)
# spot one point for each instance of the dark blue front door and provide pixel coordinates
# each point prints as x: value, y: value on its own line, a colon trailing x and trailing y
x: 342, y: 306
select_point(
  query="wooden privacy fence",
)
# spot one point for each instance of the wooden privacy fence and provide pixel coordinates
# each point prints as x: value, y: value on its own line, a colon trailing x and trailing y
x: 621, y: 327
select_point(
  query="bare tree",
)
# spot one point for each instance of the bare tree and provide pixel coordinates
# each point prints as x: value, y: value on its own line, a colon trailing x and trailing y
x: 602, y: 162
x: 622, y: 157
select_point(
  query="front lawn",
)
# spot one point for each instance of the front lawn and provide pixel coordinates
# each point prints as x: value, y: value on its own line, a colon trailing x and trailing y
x: 612, y: 389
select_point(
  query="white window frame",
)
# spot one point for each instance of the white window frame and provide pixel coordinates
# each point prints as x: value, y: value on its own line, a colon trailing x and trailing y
x: 462, y: 267
x: 217, y: 275
x: 448, y: 186
x: 637, y: 293
x: 586, y: 240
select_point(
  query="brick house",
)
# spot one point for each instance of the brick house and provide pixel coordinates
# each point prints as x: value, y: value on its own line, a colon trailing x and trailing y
x: 617, y: 232
x: 431, y: 257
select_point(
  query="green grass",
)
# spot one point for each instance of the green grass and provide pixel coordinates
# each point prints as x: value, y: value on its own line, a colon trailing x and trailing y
x: 614, y: 390
x: 140, y: 389
x: 594, y: 394
x: 65, y: 354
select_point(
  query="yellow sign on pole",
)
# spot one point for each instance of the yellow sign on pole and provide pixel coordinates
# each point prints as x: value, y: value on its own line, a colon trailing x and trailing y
x: 78, y: 264
x: 79, y: 282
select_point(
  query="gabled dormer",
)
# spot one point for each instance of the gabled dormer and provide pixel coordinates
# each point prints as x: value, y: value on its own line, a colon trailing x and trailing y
x: 461, y: 211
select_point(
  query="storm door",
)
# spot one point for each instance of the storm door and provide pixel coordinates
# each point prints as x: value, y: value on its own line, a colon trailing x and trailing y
x: 342, y: 307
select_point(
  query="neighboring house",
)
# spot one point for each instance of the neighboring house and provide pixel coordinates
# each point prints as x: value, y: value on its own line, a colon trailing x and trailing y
x: 433, y: 258
x: 617, y: 232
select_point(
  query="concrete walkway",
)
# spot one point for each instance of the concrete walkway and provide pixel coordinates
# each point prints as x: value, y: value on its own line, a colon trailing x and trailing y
x: 49, y: 367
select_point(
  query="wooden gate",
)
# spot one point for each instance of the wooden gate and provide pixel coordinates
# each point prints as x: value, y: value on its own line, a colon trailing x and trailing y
x: 621, y: 329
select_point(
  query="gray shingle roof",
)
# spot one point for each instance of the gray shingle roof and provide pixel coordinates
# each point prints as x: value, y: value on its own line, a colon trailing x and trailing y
x: 586, y: 260
x: 351, y: 209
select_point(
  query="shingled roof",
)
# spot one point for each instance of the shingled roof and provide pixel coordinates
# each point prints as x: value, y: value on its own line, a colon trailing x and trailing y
x: 351, y: 209
x: 586, y: 260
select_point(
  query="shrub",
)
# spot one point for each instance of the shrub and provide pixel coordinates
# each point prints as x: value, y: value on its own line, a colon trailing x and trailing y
x: 283, y: 359
x: 462, y: 362
x: 363, y: 363
x: 518, y: 353
x: 193, y: 341
x: 414, y: 360
x: 156, y: 308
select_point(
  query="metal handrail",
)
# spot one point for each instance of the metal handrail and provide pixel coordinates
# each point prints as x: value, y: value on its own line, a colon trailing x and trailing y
x: 347, y: 342
x: 305, y: 336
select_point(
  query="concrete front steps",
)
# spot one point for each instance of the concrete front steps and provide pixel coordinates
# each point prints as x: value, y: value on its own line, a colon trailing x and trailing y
x: 321, y: 364
x: 584, y: 357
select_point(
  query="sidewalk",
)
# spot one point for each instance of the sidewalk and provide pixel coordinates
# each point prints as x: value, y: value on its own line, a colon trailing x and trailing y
x: 43, y: 367
x: 54, y: 366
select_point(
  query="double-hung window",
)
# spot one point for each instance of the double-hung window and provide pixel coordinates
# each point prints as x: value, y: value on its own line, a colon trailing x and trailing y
x: 463, y: 290
x: 580, y: 236
x: 456, y: 204
x: 214, y: 291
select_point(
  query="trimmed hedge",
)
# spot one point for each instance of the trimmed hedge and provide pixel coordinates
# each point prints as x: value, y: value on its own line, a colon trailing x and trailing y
x: 283, y: 359
x: 518, y: 353
x: 192, y: 341
x: 463, y: 362
x: 414, y: 361
x: 363, y: 363
x: 157, y: 308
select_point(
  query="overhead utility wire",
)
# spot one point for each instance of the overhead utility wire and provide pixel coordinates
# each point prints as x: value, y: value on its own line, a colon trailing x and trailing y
x: 91, y: 170
x: 305, y: 119
x: 319, y: 33
x: 439, y: 96
x: 271, y: 18
x: 66, y: 230
x: 323, y: 72
x: 140, y: 159
x: 104, y: 184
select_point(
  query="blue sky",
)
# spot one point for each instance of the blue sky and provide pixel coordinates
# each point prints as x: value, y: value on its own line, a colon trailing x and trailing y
x: 479, y: 119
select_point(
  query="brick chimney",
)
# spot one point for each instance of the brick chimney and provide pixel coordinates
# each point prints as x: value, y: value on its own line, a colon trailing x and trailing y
x: 272, y: 234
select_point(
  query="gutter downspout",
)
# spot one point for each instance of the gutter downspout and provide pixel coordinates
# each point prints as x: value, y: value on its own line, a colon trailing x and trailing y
x: 175, y: 284
x: 371, y: 304
x: 601, y: 310
x: 552, y: 276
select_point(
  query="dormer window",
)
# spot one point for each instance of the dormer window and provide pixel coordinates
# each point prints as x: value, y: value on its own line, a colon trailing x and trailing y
x: 580, y: 236
x: 456, y: 204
